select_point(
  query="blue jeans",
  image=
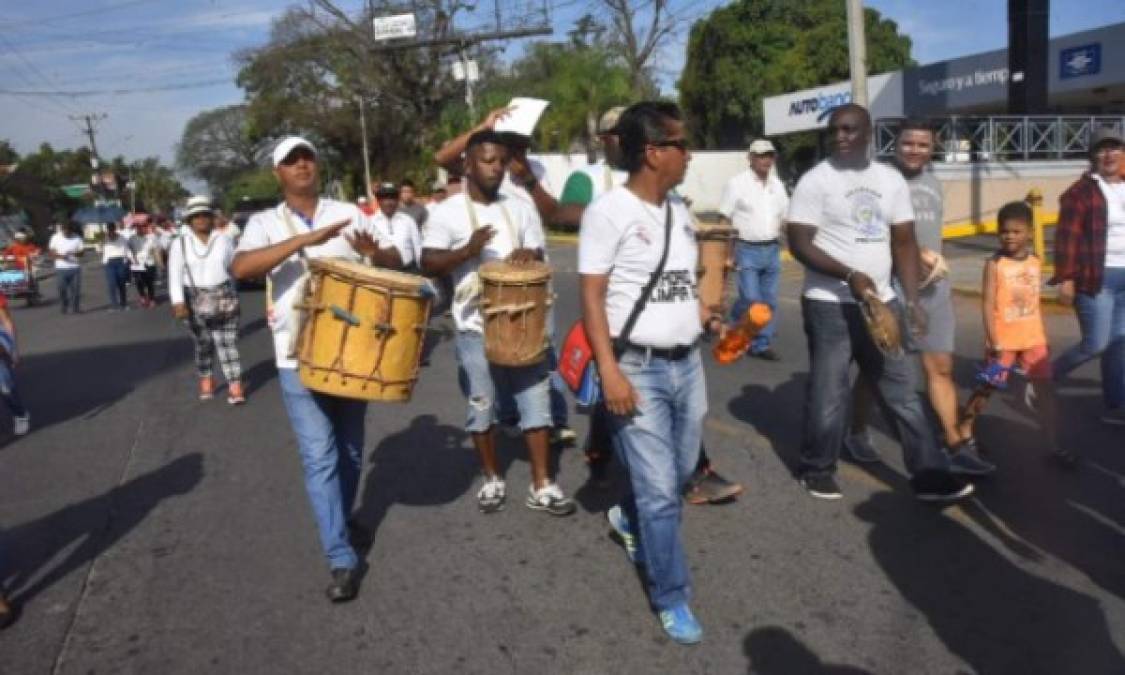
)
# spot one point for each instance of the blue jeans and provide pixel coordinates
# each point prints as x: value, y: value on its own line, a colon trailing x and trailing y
x: 329, y: 432
x: 1101, y: 318
x: 837, y: 335
x: 70, y: 288
x: 658, y: 447
x: 8, y: 391
x: 484, y: 384
x: 759, y: 274
x: 116, y: 274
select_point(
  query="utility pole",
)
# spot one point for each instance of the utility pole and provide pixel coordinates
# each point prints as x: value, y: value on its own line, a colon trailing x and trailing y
x: 857, y: 52
x: 90, y: 120
x: 366, y: 158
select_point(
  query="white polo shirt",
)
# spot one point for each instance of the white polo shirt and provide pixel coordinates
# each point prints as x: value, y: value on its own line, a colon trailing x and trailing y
x: 450, y: 227
x: 755, y: 207
x: 69, y: 247
x: 403, y: 231
x: 266, y: 228
x: 623, y: 236
x: 853, y: 211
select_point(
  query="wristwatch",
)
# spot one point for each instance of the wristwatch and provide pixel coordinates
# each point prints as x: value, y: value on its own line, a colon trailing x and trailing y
x: 530, y: 183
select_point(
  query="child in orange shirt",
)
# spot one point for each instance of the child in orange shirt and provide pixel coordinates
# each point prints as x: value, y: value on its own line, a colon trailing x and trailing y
x: 1013, y: 327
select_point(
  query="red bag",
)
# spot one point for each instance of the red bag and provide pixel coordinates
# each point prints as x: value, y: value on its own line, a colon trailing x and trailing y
x: 575, y: 356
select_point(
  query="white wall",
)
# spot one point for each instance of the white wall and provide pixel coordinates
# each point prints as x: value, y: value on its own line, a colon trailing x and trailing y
x: 706, y: 175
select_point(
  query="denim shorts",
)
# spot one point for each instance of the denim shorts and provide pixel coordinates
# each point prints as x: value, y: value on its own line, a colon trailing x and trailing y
x: 483, y: 384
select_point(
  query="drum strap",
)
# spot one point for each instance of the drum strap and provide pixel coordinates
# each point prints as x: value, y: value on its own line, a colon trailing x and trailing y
x: 474, y: 224
x: 297, y: 313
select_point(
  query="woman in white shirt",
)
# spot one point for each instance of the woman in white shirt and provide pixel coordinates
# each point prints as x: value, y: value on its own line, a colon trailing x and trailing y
x: 116, y: 259
x: 143, y: 245
x: 203, y: 293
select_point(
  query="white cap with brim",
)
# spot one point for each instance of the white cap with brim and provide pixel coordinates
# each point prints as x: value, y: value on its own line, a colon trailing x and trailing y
x: 197, y: 205
x: 762, y: 147
x: 288, y: 145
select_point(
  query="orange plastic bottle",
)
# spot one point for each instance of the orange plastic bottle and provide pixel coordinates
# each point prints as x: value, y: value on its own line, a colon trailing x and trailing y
x: 737, y: 340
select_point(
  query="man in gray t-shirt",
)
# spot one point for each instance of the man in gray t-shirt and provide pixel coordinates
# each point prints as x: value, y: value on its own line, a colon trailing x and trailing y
x: 913, y: 152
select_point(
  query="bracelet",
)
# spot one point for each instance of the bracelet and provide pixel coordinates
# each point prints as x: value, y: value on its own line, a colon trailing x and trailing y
x: 530, y: 184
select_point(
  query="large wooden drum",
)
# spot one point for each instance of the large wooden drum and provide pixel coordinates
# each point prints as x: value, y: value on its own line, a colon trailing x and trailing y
x: 362, y: 330
x: 714, y: 256
x: 514, y: 303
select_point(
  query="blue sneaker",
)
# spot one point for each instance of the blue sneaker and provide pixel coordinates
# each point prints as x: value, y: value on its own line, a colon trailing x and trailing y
x: 623, y: 530
x: 680, y: 625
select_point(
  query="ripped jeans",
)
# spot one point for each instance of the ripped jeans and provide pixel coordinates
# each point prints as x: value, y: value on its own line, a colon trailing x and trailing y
x: 483, y: 383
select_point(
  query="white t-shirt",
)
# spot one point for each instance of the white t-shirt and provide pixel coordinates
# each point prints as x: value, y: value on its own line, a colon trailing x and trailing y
x: 143, y: 247
x: 449, y: 227
x: 71, y: 247
x: 118, y: 247
x: 755, y: 208
x: 623, y: 236
x: 208, y: 264
x: 403, y: 231
x: 852, y: 211
x: 1115, y: 223
x: 269, y: 227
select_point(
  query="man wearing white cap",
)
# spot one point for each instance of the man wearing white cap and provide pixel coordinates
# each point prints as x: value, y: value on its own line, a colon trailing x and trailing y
x: 754, y: 202
x: 329, y: 429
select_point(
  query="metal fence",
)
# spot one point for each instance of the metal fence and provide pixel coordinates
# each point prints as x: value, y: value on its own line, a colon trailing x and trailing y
x: 1004, y: 137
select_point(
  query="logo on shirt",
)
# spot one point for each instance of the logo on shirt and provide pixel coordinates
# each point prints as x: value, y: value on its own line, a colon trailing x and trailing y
x: 866, y: 214
x: 675, y: 286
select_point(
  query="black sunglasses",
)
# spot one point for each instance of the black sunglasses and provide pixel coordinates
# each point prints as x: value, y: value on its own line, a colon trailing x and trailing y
x: 679, y: 143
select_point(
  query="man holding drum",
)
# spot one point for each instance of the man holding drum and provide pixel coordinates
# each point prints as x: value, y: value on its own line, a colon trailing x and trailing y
x: 329, y: 429
x: 478, y: 225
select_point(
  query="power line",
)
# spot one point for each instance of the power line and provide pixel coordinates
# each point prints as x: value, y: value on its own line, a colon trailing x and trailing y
x: 74, y: 15
x: 119, y: 92
x: 32, y: 68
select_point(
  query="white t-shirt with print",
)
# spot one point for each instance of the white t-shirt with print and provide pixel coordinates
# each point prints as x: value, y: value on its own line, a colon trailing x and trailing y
x: 516, y: 225
x: 270, y: 227
x: 623, y: 236
x: 852, y: 211
x: 403, y: 231
x: 70, y: 247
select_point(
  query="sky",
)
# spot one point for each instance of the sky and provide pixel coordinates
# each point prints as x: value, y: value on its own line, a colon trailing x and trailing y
x: 180, y: 53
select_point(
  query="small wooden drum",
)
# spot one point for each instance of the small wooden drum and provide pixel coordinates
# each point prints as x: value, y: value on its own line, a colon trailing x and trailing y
x: 714, y: 254
x: 362, y: 330
x: 514, y: 303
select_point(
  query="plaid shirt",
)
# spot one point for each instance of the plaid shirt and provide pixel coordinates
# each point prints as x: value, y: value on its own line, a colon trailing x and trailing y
x: 1080, y: 238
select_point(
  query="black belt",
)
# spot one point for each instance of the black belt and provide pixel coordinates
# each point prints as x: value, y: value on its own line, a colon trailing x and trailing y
x: 676, y: 353
x: 767, y: 242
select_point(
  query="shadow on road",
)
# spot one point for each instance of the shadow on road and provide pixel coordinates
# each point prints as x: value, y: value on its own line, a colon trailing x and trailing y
x: 777, y: 414
x: 82, y: 531
x: 774, y: 651
x: 425, y: 464
x: 991, y: 613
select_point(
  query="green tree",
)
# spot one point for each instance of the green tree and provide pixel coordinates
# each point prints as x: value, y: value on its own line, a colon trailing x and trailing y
x: 216, y: 146
x: 251, y: 185
x: 752, y: 49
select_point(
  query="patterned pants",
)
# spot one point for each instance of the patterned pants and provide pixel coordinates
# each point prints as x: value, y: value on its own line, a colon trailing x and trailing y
x: 216, y: 335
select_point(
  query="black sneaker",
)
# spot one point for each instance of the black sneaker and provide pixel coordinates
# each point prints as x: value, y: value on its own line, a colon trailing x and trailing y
x: 344, y: 586
x: 965, y: 459
x: 822, y: 487
x: 935, y: 485
x: 708, y: 487
x: 767, y: 354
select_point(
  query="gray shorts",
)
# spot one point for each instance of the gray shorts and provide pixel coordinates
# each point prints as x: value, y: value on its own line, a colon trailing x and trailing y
x: 937, y: 302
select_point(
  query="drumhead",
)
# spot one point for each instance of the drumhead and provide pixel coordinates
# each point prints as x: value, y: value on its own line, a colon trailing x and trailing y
x: 716, y: 233
x: 365, y: 274
x: 499, y: 271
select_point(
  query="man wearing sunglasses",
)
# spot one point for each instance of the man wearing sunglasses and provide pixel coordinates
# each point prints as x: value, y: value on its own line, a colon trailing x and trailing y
x: 329, y: 429
x: 851, y: 223
x: 637, y: 260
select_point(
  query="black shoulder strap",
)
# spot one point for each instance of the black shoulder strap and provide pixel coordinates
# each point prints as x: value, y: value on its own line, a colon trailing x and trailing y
x: 646, y: 293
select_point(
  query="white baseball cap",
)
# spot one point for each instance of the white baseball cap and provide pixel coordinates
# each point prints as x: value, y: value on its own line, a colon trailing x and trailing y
x: 762, y: 147
x: 196, y: 205
x: 288, y: 145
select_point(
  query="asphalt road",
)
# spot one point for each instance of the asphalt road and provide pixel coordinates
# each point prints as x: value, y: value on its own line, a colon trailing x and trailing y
x: 146, y: 532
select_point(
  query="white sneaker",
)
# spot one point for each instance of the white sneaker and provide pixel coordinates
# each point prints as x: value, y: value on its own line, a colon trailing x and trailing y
x: 492, y: 495
x: 550, y: 498
x: 22, y: 425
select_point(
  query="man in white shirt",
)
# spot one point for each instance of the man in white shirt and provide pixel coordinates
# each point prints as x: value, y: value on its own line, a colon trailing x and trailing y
x: 329, y: 429
x: 401, y: 226
x: 637, y: 260
x: 66, y: 248
x: 850, y: 223
x: 754, y: 203
x: 475, y: 226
